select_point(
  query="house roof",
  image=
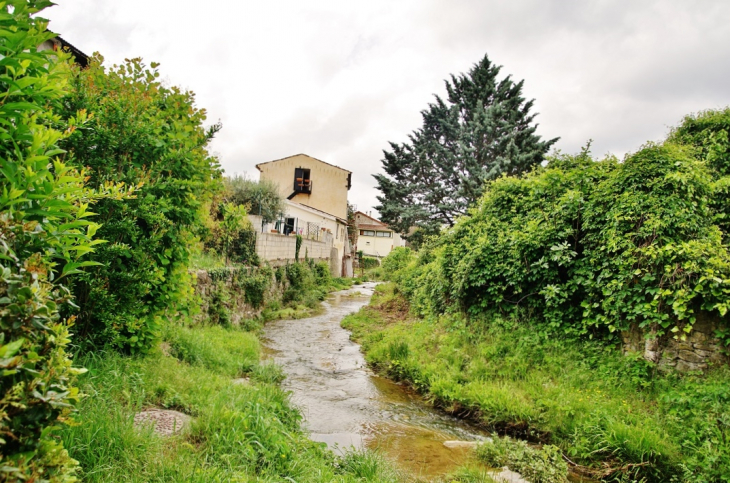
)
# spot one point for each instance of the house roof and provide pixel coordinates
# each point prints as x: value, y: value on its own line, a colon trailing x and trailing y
x: 81, y: 58
x: 370, y: 217
x: 324, y: 212
x: 302, y: 154
x: 379, y: 227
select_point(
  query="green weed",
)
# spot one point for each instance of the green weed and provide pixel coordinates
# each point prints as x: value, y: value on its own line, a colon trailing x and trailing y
x: 597, y: 405
x: 238, y: 433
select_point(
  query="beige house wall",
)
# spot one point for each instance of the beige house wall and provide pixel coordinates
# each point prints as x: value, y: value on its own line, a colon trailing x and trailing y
x: 324, y: 220
x: 378, y: 246
x: 329, y: 183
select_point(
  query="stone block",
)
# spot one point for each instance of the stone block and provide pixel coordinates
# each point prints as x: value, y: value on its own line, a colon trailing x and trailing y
x: 696, y: 337
x: 718, y: 358
x: 684, y: 366
x: 707, y: 346
x: 683, y: 346
x: 670, y: 353
x: 703, y: 354
x: 690, y: 356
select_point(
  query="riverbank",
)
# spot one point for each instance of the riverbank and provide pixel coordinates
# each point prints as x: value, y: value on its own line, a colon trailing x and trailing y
x: 613, y: 415
x: 243, y: 426
x: 232, y: 422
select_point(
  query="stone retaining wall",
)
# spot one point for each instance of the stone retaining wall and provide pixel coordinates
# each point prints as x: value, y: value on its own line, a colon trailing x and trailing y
x: 700, y: 349
x: 206, y: 289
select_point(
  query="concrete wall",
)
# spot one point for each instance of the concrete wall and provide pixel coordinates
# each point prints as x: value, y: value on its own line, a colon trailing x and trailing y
x: 329, y: 183
x: 273, y: 247
x: 374, y: 246
x: 281, y: 249
x: 700, y: 349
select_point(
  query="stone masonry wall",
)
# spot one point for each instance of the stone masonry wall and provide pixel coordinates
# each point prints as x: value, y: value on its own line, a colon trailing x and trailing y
x: 700, y: 349
x: 205, y: 288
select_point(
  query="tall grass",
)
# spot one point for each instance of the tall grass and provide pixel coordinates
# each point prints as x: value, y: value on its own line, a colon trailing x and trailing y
x: 586, y: 397
x: 239, y: 432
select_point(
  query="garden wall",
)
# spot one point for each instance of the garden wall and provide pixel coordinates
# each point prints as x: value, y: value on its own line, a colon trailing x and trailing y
x: 223, y: 298
x: 700, y: 349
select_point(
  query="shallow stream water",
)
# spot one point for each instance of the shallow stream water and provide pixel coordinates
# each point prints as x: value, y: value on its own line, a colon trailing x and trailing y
x: 344, y: 404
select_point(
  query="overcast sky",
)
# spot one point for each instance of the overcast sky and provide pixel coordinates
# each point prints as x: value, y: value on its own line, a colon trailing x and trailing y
x: 339, y: 79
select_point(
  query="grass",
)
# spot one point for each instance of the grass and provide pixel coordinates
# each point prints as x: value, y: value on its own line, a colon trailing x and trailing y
x: 202, y: 259
x: 595, y: 404
x: 239, y: 433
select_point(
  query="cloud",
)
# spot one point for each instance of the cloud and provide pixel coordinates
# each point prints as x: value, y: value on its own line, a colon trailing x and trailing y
x: 338, y: 80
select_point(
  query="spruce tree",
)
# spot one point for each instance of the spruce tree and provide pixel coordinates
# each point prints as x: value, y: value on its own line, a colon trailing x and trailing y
x: 483, y: 129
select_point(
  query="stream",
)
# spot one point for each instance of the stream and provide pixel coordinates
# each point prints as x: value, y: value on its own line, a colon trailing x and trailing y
x: 345, y: 404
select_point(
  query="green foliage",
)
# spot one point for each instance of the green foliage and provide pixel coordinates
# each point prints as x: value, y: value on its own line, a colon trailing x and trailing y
x: 590, y: 247
x: 234, y: 222
x: 369, y: 262
x: 239, y: 432
x: 482, y: 130
x: 538, y: 465
x: 397, y: 260
x: 581, y: 395
x: 260, y: 198
x: 45, y: 235
x: 298, y: 247
x: 145, y: 134
x: 707, y: 132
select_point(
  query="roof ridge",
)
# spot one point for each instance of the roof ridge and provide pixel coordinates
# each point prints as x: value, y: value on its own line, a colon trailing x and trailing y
x: 302, y: 154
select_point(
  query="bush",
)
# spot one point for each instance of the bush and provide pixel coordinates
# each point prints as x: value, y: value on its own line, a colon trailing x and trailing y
x: 44, y: 234
x: 590, y: 247
x: 367, y: 263
x: 397, y: 260
x: 261, y: 198
x: 543, y: 465
x: 152, y: 136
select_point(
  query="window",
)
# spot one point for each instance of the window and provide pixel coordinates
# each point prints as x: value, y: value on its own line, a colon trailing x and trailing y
x: 384, y: 234
x: 367, y: 233
x: 289, y: 225
x: 302, y: 181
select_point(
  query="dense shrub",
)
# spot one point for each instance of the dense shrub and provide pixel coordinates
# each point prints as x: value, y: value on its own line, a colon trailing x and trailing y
x: 44, y: 234
x: 538, y: 465
x: 708, y: 133
x: 261, y: 198
x: 588, y: 246
x: 396, y: 260
x: 367, y: 263
x: 149, y: 135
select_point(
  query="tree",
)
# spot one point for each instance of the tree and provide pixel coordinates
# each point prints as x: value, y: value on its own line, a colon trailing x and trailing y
x: 45, y: 236
x: 482, y: 130
x: 260, y: 198
x: 152, y: 136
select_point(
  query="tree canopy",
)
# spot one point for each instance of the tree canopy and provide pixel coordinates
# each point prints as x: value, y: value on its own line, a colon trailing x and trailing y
x: 483, y: 129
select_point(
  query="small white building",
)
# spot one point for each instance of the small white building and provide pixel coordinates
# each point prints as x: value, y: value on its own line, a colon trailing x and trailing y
x: 375, y: 238
x: 315, y: 225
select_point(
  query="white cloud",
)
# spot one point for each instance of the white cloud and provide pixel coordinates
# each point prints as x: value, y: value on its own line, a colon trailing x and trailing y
x: 338, y: 80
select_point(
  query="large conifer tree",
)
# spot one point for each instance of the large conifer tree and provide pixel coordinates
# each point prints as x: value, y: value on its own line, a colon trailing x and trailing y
x: 483, y: 129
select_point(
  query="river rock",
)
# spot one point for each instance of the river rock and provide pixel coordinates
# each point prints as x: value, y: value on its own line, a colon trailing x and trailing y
x: 465, y: 444
x: 507, y: 476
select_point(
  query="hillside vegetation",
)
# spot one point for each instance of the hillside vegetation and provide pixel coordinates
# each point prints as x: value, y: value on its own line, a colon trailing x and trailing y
x: 512, y: 316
